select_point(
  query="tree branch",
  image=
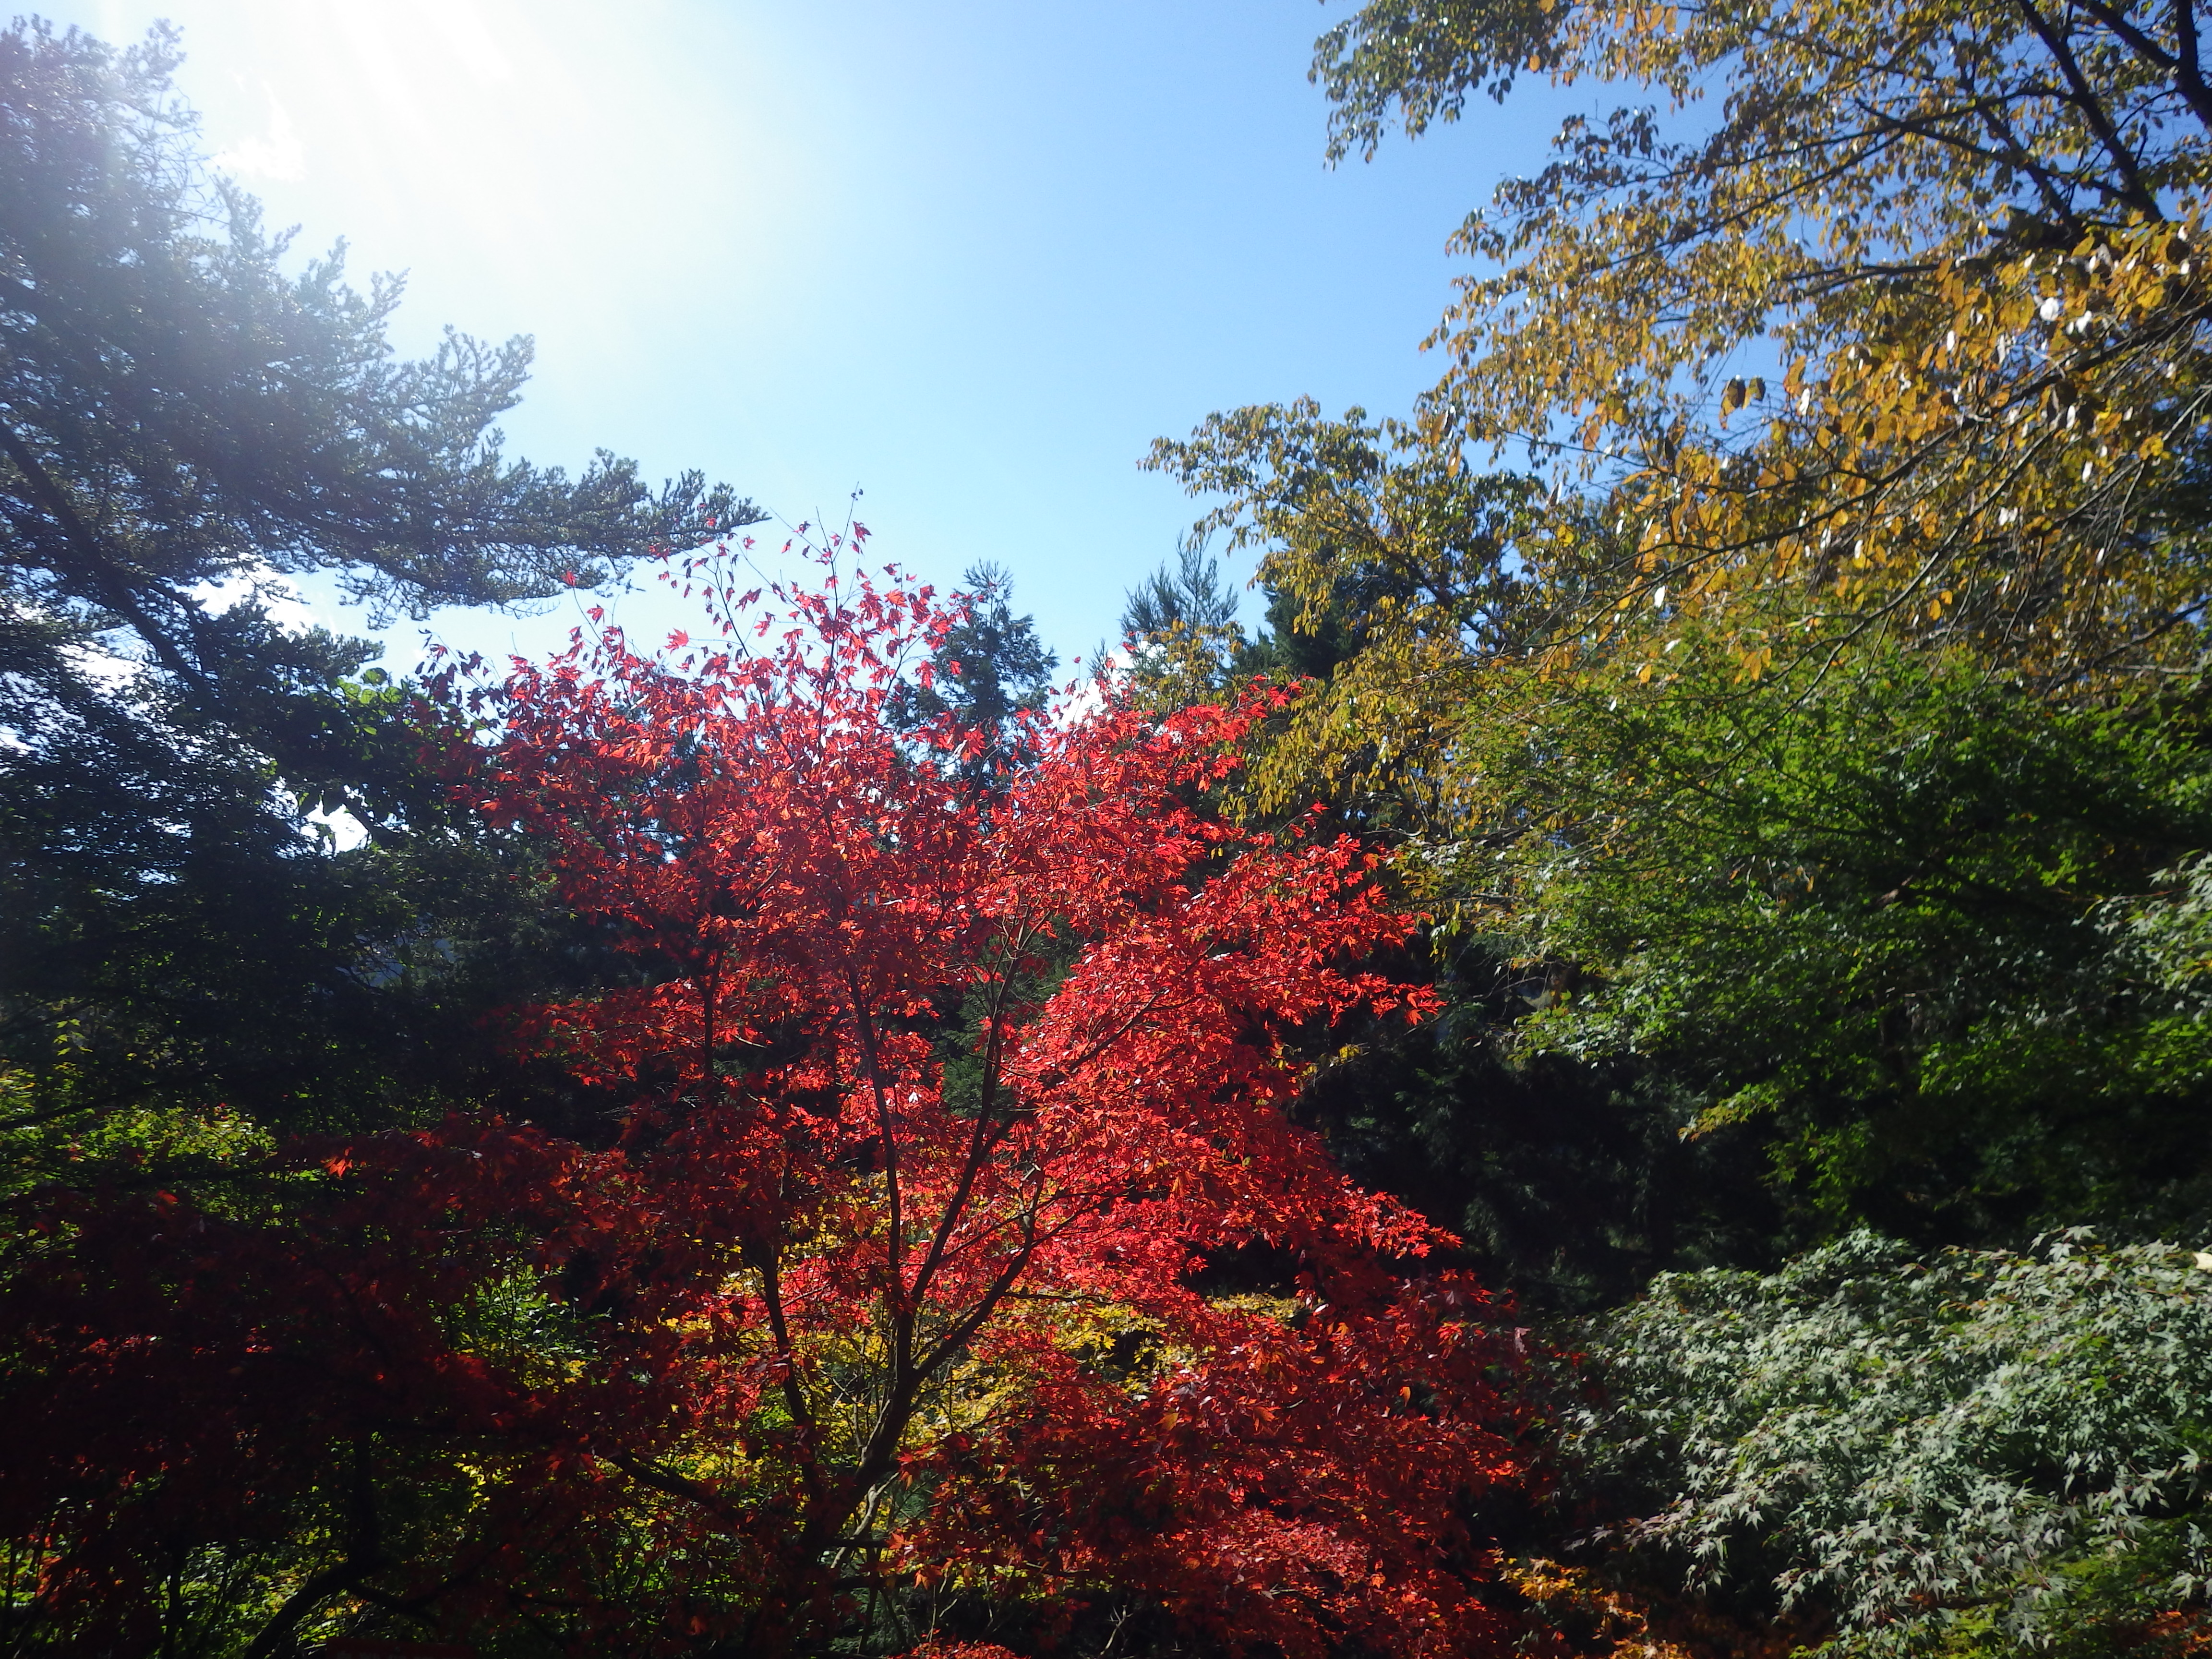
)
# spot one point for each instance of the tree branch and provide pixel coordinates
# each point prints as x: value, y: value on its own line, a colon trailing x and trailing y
x: 2190, y: 76
x: 2136, y: 193
x: 765, y: 1263
x: 363, y: 1556
x: 100, y: 570
x: 675, y: 1485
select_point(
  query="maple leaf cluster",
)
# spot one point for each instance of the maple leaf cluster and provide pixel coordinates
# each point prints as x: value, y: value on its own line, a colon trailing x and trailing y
x: 929, y: 1109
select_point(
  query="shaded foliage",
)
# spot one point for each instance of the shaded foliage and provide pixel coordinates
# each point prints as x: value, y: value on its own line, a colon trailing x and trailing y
x: 187, y: 419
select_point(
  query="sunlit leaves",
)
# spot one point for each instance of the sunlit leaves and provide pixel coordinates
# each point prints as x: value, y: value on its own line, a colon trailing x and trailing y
x: 1898, y: 304
x: 1964, y: 1452
x: 873, y: 1291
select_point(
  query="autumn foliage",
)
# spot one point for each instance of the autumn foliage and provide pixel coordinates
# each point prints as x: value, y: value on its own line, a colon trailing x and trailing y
x: 948, y: 1267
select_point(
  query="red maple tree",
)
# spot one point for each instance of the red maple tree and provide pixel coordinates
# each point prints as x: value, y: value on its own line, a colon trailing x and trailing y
x: 883, y: 1302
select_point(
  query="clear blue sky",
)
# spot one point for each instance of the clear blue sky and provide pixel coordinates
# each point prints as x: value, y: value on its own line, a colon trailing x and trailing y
x: 971, y: 256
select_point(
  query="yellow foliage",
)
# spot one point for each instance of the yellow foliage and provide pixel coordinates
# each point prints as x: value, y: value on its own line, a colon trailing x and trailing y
x: 1967, y: 234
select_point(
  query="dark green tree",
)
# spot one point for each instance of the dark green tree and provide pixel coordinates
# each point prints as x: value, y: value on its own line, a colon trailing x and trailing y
x: 988, y: 673
x: 1187, y: 594
x: 186, y: 411
x: 181, y: 411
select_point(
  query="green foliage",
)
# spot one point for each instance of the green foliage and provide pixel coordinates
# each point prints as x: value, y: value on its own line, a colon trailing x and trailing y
x: 988, y: 673
x: 1969, y: 1452
x: 1188, y: 595
x: 1568, y: 1180
x: 1186, y: 646
x: 1922, y: 931
x: 1389, y: 569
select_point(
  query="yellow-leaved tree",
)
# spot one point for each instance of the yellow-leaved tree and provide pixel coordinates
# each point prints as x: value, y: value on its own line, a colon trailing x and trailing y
x: 1891, y: 314
x: 1850, y: 320
x: 1900, y: 308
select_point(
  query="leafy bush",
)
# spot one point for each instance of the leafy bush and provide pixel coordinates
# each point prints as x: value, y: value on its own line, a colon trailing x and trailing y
x: 1971, y: 1451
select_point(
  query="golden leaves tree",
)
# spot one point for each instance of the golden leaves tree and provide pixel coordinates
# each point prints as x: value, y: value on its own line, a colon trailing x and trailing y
x: 1897, y: 309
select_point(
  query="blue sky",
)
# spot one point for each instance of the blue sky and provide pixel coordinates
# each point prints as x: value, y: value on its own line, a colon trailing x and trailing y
x: 971, y: 258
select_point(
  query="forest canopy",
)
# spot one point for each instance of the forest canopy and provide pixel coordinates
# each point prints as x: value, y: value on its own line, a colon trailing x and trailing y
x: 1626, y: 1075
